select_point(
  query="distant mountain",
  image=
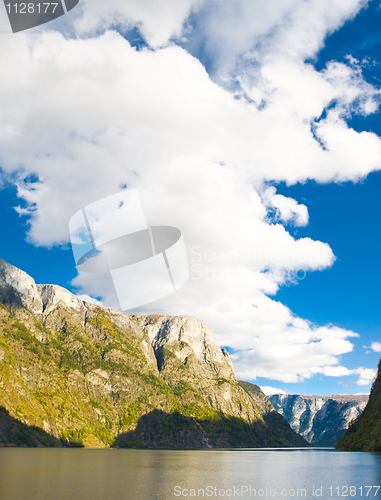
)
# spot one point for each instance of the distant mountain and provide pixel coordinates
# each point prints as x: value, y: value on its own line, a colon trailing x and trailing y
x: 321, y: 420
x: 269, y: 414
x: 77, y: 374
x: 365, y: 433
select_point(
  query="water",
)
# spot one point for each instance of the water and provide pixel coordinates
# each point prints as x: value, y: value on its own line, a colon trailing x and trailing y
x: 117, y: 474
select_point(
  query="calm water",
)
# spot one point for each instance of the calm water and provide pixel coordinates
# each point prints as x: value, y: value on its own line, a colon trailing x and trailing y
x: 78, y: 474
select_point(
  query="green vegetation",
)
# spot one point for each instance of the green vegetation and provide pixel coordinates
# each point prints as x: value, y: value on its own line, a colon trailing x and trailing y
x: 176, y: 430
x: 97, y: 404
x: 221, y: 381
x: 133, y: 412
x: 84, y: 358
x: 365, y: 433
x: 15, y: 432
x: 156, y: 382
x: 183, y: 387
x: 203, y: 412
x: 101, y: 322
x: 88, y: 382
x: 3, y: 344
x: 255, y: 392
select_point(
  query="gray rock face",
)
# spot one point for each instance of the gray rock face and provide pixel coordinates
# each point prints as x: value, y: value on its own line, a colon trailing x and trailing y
x: 17, y: 288
x: 191, y: 341
x: 187, y: 351
x: 321, y: 420
x: 53, y: 295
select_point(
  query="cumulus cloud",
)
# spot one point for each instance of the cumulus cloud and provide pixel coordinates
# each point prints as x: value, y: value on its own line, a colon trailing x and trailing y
x: 238, y: 36
x: 297, y: 360
x: 157, y: 21
x: 366, y: 377
x: 269, y: 391
x: 85, y: 106
x: 89, y: 116
x: 376, y: 346
x: 294, y: 351
x: 91, y: 300
x: 286, y: 209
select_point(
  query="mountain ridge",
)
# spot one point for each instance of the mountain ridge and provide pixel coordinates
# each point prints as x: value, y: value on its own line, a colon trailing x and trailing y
x: 321, y: 420
x: 89, y: 375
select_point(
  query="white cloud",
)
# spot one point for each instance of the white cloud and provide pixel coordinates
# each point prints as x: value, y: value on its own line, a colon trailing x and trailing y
x: 286, y: 209
x: 157, y: 21
x: 90, y: 115
x: 239, y: 35
x: 295, y: 362
x: 87, y: 298
x: 376, y: 346
x: 269, y: 391
x: 366, y: 377
x: 292, y: 350
x: 114, y: 101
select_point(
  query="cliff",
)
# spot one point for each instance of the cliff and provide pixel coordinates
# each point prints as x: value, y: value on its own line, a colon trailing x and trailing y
x: 321, y: 420
x: 77, y: 374
x: 364, y: 434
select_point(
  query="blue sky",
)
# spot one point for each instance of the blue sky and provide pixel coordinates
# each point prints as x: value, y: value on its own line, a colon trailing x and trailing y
x: 212, y: 121
x: 347, y: 295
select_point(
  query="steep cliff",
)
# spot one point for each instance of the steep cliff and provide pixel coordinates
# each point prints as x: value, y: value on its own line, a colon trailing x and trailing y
x: 74, y: 373
x: 321, y: 420
x: 268, y: 411
x: 365, y: 433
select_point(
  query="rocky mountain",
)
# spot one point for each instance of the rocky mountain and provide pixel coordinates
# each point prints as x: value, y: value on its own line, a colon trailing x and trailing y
x: 77, y: 374
x: 364, y: 434
x: 321, y: 420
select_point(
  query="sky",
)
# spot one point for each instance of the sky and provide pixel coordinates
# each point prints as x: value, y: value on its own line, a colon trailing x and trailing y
x: 253, y: 127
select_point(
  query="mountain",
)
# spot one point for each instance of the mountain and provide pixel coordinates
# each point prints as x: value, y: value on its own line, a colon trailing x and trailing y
x: 321, y: 420
x: 365, y: 433
x: 74, y: 373
x: 268, y: 411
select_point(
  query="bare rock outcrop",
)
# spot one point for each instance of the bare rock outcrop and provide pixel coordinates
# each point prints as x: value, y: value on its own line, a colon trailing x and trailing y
x: 18, y: 289
x: 321, y: 420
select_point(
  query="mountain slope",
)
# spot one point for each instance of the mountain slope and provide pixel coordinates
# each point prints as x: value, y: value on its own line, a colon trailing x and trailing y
x: 93, y: 376
x: 268, y: 411
x: 321, y: 420
x: 365, y: 433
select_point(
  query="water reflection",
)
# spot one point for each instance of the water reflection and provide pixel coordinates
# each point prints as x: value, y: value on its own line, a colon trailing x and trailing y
x: 62, y: 474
